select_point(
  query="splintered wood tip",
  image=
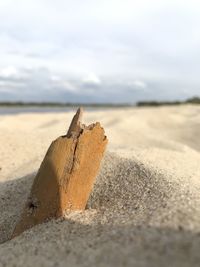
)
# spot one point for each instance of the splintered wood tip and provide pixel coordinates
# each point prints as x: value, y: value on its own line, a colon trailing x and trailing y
x: 79, y: 113
x: 76, y: 122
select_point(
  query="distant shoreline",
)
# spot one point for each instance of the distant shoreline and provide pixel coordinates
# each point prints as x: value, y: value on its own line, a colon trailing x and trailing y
x: 64, y: 105
x: 194, y: 100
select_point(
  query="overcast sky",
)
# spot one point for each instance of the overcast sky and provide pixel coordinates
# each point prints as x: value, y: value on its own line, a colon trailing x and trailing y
x: 97, y: 51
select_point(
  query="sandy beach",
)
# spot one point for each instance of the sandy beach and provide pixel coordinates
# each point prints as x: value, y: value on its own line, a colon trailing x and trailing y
x: 144, y: 209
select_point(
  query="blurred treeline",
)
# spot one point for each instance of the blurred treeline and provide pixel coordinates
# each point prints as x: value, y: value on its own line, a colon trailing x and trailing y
x: 193, y: 100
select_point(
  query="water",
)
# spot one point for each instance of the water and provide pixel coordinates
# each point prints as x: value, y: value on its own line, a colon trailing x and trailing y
x: 19, y: 110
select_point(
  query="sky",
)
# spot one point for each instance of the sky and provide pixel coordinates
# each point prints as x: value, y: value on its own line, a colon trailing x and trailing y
x: 99, y: 51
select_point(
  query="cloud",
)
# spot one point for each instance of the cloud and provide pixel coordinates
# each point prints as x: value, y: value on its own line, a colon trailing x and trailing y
x: 62, y: 83
x: 8, y: 72
x: 92, y: 79
x: 139, y: 84
x: 6, y: 86
x: 99, y: 48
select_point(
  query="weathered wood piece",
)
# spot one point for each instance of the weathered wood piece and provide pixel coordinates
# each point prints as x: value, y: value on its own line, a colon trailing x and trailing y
x: 66, y: 175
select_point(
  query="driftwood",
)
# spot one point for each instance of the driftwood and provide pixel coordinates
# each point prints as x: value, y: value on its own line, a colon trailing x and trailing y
x: 66, y: 175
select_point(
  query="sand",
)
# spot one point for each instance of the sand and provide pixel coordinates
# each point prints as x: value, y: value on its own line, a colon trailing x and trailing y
x: 145, y: 206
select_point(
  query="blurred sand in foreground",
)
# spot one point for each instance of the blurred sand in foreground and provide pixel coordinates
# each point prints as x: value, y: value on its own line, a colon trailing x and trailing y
x: 145, y: 206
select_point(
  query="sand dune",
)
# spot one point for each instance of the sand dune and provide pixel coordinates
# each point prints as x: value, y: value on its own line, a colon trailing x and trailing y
x: 145, y: 206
